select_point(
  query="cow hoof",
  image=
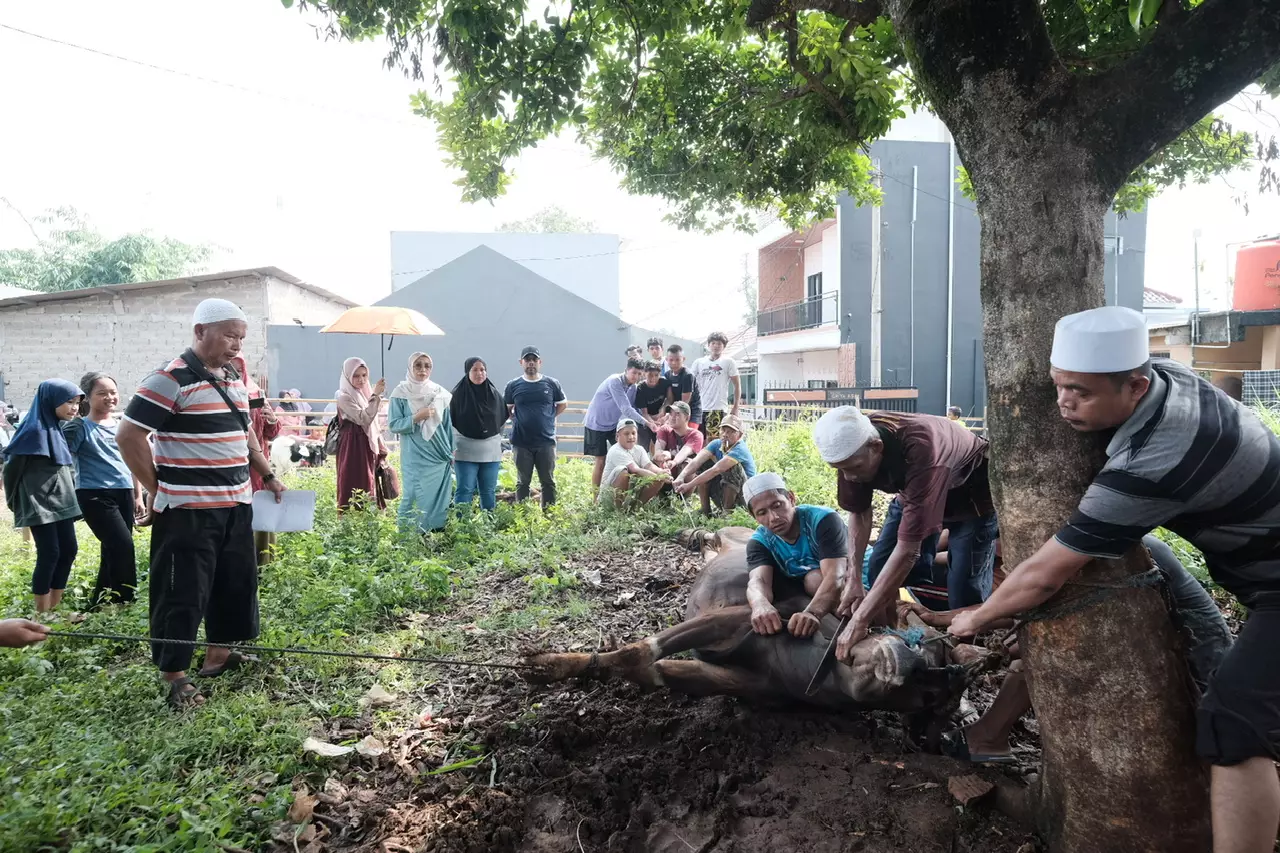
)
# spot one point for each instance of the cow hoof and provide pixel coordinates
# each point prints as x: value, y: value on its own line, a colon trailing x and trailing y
x: 894, y: 661
x: 555, y: 666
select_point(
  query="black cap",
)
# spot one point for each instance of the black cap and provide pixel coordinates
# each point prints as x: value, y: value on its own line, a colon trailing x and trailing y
x: 529, y: 351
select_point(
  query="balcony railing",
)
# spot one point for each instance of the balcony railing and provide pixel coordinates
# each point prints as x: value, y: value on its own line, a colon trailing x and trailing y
x: 808, y: 313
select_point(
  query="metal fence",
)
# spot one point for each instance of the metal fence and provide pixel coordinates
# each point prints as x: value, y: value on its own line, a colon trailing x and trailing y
x: 805, y: 314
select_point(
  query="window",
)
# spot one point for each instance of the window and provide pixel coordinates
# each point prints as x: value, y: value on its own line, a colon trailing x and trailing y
x: 822, y: 384
x: 1158, y: 354
x: 813, y: 286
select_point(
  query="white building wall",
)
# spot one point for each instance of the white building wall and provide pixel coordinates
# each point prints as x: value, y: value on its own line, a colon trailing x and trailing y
x: 583, y: 264
x: 831, y: 270
x: 288, y: 303
x: 797, y: 368
x: 813, y: 257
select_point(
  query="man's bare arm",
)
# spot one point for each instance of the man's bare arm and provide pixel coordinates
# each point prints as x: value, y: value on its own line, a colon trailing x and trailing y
x: 135, y: 448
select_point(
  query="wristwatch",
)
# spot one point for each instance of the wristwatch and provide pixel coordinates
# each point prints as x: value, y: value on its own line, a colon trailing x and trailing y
x: 267, y: 478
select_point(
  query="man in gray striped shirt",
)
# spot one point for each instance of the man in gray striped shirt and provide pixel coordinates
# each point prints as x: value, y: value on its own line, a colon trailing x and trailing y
x: 1186, y: 457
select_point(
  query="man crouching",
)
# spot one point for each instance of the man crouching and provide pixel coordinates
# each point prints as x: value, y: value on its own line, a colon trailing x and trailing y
x: 804, y: 544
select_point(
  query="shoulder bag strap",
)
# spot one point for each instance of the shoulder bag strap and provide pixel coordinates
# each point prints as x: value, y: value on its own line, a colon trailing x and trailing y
x: 198, y: 368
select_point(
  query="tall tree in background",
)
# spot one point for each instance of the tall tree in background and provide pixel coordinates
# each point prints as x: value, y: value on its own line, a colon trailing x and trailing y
x: 1058, y: 108
x: 552, y: 219
x: 71, y: 254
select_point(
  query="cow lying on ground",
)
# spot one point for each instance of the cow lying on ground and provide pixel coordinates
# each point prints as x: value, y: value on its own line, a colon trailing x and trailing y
x: 731, y: 659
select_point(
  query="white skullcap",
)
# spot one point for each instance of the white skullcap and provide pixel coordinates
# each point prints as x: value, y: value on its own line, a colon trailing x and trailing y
x: 761, y: 483
x: 842, y: 432
x: 1103, y: 340
x: 216, y: 311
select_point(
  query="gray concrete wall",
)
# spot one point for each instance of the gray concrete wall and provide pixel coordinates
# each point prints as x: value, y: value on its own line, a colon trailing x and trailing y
x: 487, y: 305
x: 1124, y: 278
x: 1124, y: 275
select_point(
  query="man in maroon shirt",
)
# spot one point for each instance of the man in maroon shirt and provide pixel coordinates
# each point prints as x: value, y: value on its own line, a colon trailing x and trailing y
x: 939, y: 474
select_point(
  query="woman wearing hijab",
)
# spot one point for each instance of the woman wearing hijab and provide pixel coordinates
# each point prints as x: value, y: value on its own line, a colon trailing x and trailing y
x: 109, y: 496
x: 420, y: 416
x: 478, y: 413
x: 360, y: 448
x: 40, y: 487
x: 265, y: 424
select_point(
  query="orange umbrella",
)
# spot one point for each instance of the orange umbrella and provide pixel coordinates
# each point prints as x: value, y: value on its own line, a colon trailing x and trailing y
x: 382, y: 320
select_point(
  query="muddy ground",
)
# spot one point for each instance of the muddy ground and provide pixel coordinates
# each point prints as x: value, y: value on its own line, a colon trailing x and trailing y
x: 605, y: 767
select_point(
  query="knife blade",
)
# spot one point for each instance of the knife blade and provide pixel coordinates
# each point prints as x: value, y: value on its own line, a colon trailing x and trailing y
x: 828, y: 659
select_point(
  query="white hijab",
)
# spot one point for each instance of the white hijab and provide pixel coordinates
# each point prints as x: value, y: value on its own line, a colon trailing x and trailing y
x: 422, y: 395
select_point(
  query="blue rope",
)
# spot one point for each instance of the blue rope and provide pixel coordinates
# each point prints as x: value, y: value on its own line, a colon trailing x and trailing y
x: 913, y: 637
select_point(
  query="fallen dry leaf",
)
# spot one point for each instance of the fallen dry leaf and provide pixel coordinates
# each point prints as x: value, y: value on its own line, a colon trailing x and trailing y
x: 308, y: 834
x: 370, y: 747
x: 302, y: 807
x: 324, y: 748
x: 377, y: 697
x: 969, y: 789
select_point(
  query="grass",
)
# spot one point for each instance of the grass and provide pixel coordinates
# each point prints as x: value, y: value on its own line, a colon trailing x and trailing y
x: 92, y: 760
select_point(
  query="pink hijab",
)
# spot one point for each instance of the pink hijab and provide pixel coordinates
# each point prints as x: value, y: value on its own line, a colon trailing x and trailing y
x: 353, y: 401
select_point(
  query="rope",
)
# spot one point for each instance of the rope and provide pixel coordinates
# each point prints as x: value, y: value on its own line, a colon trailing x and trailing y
x: 289, y: 650
x: 1098, y: 592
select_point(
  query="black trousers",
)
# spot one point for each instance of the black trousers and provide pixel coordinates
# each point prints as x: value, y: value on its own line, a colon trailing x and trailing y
x: 109, y: 514
x: 55, y: 552
x: 203, y: 567
x: 542, y: 458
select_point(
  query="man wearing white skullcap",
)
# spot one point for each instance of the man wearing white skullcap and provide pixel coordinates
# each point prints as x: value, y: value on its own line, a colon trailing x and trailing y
x: 938, y: 475
x: 212, y: 311
x: 198, y: 498
x: 1183, y: 456
x: 801, y: 546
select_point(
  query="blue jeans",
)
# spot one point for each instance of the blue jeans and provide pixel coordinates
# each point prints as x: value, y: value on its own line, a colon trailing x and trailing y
x: 477, y: 476
x: 971, y: 556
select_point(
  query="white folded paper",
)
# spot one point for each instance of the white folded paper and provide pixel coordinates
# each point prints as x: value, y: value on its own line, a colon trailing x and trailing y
x: 296, y: 511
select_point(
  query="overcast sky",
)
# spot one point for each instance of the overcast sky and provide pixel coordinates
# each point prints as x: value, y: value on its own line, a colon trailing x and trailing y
x: 305, y: 155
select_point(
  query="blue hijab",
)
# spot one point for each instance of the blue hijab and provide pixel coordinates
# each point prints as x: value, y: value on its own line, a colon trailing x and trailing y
x: 40, y: 433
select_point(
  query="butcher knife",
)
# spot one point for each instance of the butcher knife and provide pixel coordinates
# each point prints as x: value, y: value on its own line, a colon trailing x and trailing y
x: 828, y: 659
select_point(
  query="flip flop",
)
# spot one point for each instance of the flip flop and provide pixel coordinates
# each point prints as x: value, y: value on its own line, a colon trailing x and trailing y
x: 180, y: 697
x: 956, y: 745
x: 234, y: 661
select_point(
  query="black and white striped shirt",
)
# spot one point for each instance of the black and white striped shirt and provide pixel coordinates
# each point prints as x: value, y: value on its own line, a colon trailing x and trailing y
x: 1195, y: 461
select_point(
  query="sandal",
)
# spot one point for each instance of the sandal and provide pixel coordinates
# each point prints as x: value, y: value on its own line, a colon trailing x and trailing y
x: 234, y: 661
x: 183, y: 694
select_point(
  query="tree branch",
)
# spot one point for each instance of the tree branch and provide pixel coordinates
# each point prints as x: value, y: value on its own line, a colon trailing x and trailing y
x: 1191, y: 65
x: 858, y: 12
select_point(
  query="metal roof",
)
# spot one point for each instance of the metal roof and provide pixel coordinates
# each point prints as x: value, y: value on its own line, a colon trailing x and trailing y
x: 191, y: 281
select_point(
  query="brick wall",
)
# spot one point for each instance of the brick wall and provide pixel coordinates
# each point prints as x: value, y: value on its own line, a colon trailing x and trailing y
x: 127, y: 334
x: 780, y: 274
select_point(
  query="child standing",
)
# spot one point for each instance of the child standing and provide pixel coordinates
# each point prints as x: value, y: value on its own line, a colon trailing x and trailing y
x: 40, y: 489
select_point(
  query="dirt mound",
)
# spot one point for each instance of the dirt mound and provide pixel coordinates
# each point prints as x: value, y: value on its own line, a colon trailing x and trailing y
x: 616, y: 770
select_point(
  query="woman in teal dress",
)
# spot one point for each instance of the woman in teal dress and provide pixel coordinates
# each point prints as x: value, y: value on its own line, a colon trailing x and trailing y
x: 420, y: 416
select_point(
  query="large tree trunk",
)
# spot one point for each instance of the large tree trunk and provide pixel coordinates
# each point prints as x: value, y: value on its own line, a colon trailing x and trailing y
x: 1115, y: 715
x: 1113, y: 706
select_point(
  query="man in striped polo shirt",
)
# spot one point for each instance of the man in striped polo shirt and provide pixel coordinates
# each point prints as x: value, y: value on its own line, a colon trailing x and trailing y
x: 1186, y: 457
x: 203, y: 563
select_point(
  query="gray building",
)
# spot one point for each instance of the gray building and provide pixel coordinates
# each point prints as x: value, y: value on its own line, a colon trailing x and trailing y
x: 487, y: 305
x: 888, y: 297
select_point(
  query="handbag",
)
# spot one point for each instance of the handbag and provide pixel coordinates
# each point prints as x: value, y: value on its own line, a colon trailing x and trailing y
x: 331, y: 435
x: 388, y: 481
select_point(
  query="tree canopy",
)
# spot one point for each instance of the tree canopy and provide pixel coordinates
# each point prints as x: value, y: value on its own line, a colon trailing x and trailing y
x: 726, y: 105
x: 71, y: 254
x: 552, y: 219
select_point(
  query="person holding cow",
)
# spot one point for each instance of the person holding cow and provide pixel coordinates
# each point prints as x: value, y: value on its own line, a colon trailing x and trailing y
x: 795, y: 544
x: 939, y: 474
x: 1182, y: 455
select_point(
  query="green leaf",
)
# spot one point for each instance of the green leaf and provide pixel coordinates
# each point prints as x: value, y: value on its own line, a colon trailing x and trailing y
x: 457, y: 765
x: 1149, y: 10
x: 288, y: 4
x: 1135, y: 14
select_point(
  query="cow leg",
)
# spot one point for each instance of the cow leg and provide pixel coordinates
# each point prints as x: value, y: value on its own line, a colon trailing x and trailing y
x: 720, y: 628
x: 699, y: 678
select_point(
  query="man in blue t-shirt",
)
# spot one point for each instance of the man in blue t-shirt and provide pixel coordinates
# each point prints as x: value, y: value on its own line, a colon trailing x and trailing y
x: 533, y: 402
x: 720, y: 469
x: 804, y: 545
